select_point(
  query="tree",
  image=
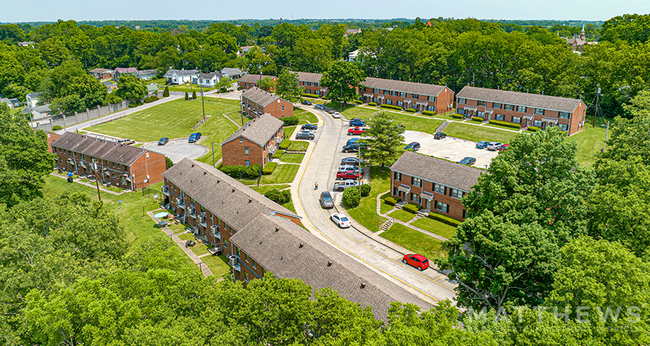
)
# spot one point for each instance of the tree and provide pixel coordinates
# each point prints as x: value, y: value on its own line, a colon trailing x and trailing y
x: 112, y: 98
x: 70, y: 88
x: 288, y: 86
x: 130, y: 87
x: 193, y: 94
x: 168, y: 162
x: 186, y: 96
x: 166, y: 92
x: 519, y: 215
x: 224, y: 83
x: 386, y: 139
x: 24, y: 159
x: 342, y: 79
x: 266, y: 83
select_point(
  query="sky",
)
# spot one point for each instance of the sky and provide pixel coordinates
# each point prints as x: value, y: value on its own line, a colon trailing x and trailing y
x: 79, y: 10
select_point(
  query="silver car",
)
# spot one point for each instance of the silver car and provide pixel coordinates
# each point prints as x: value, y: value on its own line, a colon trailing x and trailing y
x: 494, y: 146
x: 326, y: 200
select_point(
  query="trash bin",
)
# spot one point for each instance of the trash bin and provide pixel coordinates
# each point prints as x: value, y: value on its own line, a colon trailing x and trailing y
x: 69, y: 179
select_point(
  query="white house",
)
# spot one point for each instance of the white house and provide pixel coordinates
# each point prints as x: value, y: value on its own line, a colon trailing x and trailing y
x: 182, y: 76
x: 32, y: 99
x: 209, y: 80
x: 12, y: 102
x: 232, y: 72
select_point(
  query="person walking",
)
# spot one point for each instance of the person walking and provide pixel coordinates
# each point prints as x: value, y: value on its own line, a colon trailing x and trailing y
x: 316, y: 186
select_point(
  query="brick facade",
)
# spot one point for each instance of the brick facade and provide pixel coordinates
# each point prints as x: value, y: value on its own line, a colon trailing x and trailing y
x: 256, y: 102
x: 438, y: 99
x: 234, y: 152
x: 279, y: 108
x: 454, y: 207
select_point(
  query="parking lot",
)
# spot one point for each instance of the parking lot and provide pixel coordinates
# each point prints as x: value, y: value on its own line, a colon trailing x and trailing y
x: 453, y: 149
x: 178, y: 149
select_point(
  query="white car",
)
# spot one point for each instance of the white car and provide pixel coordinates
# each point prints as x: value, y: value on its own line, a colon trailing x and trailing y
x: 342, y: 185
x: 341, y: 220
x: 493, y: 146
x: 336, y: 115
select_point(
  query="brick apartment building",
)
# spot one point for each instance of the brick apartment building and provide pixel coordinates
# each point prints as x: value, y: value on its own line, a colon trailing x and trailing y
x: 311, y: 83
x: 436, y: 185
x: 419, y: 96
x: 116, y: 164
x: 522, y: 108
x: 255, y: 102
x: 253, y: 143
x: 248, y: 81
x: 260, y: 235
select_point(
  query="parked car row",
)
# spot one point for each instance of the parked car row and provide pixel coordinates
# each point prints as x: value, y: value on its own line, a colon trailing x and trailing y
x: 307, y: 131
x: 329, y: 110
x: 492, y: 146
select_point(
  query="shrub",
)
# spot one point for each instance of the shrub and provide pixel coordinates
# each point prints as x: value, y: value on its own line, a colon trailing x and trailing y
x: 168, y: 162
x: 533, y: 128
x: 563, y: 133
x: 428, y: 112
x: 150, y: 99
x: 392, y: 200
x: 479, y: 119
x: 359, y: 102
x: 186, y: 96
x: 372, y: 103
x: 268, y: 169
x: 240, y: 88
x: 457, y: 116
x: 351, y: 198
x: 133, y: 105
x: 223, y: 90
x: 505, y: 123
x: 250, y: 172
x: 194, y: 95
x: 365, y: 190
x: 280, y: 197
x: 411, y: 208
x: 290, y: 121
x: 309, y: 95
x: 285, y: 144
x: 412, y: 110
x: 278, y: 154
x: 57, y: 127
x: 391, y: 107
x: 444, y: 219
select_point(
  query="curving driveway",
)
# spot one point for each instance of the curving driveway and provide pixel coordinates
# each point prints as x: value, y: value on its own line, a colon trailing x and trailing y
x: 178, y: 149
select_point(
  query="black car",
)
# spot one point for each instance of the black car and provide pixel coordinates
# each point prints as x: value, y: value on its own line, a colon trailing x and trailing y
x: 350, y: 161
x: 415, y: 146
x: 439, y: 135
x: 304, y: 135
x: 306, y: 102
x: 351, y: 148
x: 163, y: 141
x: 467, y: 161
x: 309, y: 127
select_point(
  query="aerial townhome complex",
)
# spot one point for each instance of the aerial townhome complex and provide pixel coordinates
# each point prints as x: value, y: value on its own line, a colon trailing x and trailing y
x: 418, y: 96
x: 255, y: 102
x: 253, y: 143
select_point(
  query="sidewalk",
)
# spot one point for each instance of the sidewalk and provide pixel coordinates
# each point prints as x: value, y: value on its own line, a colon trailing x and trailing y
x: 407, y: 224
x: 92, y: 186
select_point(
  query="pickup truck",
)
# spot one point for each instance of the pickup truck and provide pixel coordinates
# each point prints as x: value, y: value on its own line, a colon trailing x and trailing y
x: 342, y: 185
x: 349, y: 174
x: 356, y: 131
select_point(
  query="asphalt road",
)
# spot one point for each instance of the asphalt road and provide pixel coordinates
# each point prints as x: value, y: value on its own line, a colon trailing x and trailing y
x: 178, y: 149
x: 323, y: 161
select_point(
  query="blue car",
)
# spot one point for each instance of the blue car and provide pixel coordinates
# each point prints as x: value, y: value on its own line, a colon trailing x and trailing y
x: 415, y: 146
x: 357, y: 122
x: 481, y: 145
x: 194, y: 137
x: 353, y: 140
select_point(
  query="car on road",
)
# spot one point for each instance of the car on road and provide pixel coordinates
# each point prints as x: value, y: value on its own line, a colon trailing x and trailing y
x: 350, y: 161
x: 305, y: 135
x: 357, y: 122
x: 439, y: 135
x: 503, y: 147
x: 482, y: 145
x: 329, y: 110
x: 467, y: 161
x: 336, y: 115
x: 163, y: 141
x: 415, y: 146
x: 418, y: 261
x: 349, y: 174
x: 493, y: 146
x: 306, y: 102
x: 326, y: 201
x: 341, y: 220
x: 125, y: 141
x: 342, y: 185
x: 309, y: 127
x: 319, y: 106
x: 356, y: 131
x: 194, y: 137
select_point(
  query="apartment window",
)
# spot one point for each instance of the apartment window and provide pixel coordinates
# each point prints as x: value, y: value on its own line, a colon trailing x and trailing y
x: 389, y: 102
x: 432, y: 98
x: 246, y: 150
x: 225, y: 244
x: 537, y: 123
x: 464, y: 213
x: 539, y: 111
x: 509, y: 107
x: 416, y: 182
x: 402, y: 94
x: 283, y: 108
x: 248, y: 163
x: 415, y: 198
x: 500, y: 117
x: 246, y: 277
x: 441, y: 189
x: 444, y: 207
x: 456, y: 193
x: 462, y: 100
x: 400, y: 103
x: 246, y: 257
x: 415, y: 96
x: 497, y: 105
x: 241, y: 139
x: 564, y: 115
x: 480, y: 103
x: 395, y: 191
x: 375, y: 90
x: 516, y: 120
x: 82, y: 156
x: 431, y: 108
x: 521, y: 109
x: 254, y: 265
x: 564, y: 127
x: 374, y: 99
x: 398, y: 176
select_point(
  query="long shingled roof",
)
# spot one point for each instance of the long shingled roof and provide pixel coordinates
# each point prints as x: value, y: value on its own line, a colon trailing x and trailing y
x: 522, y: 99
x: 409, y: 87
x: 259, y: 96
x: 98, y: 148
x: 258, y: 130
x: 440, y: 171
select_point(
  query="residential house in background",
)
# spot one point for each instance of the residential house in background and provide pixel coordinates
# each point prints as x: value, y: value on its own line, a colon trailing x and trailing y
x: 32, y: 99
x: 102, y: 74
x: 352, y: 56
x: 253, y: 143
x: 232, y: 72
x: 114, y: 163
x: 40, y: 112
x: 418, y: 96
x: 178, y: 77
x: 110, y: 86
x: 248, y: 81
x: 147, y: 74
x: 243, y: 50
x: 434, y: 184
x: 26, y: 44
x: 209, y: 80
x: 12, y: 102
x: 260, y: 235
x: 255, y: 102
x: 311, y: 83
x: 152, y: 89
x: 124, y: 70
x: 522, y: 108
x: 350, y: 32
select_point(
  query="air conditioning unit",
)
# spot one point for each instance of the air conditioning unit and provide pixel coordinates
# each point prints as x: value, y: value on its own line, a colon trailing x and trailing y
x: 201, y: 219
x: 195, y: 231
x: 179, y: 201
x: 190, y: 210
x: 214, y: 229
x: 233, y: 260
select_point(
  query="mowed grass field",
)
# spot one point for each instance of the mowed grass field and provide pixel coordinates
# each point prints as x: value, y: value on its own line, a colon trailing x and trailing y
x: 590, y: 141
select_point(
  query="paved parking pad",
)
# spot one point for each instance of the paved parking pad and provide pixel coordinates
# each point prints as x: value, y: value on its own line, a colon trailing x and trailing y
x: 453, y: 149
x: 178, y: 149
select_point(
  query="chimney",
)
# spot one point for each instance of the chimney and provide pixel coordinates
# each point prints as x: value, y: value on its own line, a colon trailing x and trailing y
x: 302, y: 244
x: 277, y: 229
x: 363, y: 285
x: 329, y: 263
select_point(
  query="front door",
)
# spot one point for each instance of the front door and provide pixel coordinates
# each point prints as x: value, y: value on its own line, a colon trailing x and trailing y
x: 427, y: 204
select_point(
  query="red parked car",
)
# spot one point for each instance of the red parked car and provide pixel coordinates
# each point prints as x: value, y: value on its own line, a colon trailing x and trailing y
x: 349, y: 174
x: 356, y: 131
x: 418, y: 261
x: 503, y: 147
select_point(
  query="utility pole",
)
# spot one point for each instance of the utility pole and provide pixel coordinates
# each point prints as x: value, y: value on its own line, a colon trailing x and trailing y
x: 203, y: 104
x: 97, y: 181
x: 212, y: 154
x: 596, y: 111
x: 606, y: 132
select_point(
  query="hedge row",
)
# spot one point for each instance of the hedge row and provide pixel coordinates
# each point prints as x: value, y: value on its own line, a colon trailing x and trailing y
x: 477, y: 119
x: 268, y: 169
x: 372, y: 104
x: 359, y: 102
x: 411, y: 208
x: 150, y: 99
x: 392, y: 200
x: 444, y: 219
x: 309, y: 95
x: 391, y: 107
x: 428, y: 112
x: 285, y: 144
x: 278, y: 154
x: 280, y: 197
x: 250, y: 172
x: 533, y: 128
x: 505, y: 123
x: 290, y: 121
x: 411, y: 110
x: 457, y: 116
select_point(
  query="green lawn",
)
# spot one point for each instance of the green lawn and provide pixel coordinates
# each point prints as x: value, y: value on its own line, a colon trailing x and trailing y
x: 402, y: 215
x: 411, y: 122
x: 215, y: 130
x: 282, y: 174
x: 177, y: 228
x: 305, y: 116
x: 435, y: 226
x: 200, y: 249
x: 385, y: 208
x: 288, y: 131
x: 478, y: 133
x: 298, y: 145
x: 292, y: 158
x: 414, y: 241
x: 589, y: 141
x: 290, y: 207
x: 265, y: 188
x: 366, y: 212
x: 173, y: 119
x: 217, y: 264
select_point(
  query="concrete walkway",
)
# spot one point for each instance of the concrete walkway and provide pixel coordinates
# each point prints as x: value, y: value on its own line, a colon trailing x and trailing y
x: 92, y: 186
x: 407, y: 224
x: 181, y: 243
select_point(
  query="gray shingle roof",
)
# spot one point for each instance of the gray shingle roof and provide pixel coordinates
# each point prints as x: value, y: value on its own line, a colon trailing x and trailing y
x: 171, y: 71
x: 440, y: 171
x: 259, y: 96
x: 253, y: 78
x: 42, y: 109
x: 100, y: 70
x: 92, y: 146
x: 281, y: 253
x: 35, y: 95
x: 214, y: 190
x: 523, y: 99
x: 207, y: 75
x: 309, y: 77
x: 409, y: 87
x: 231, y: 71
x: 258, y: 130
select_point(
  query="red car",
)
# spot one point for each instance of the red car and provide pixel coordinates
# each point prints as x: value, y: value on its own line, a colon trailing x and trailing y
x: 418, y: 261
x: 349, y: 174
x: 356, y: 131
x: 503, y: 147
